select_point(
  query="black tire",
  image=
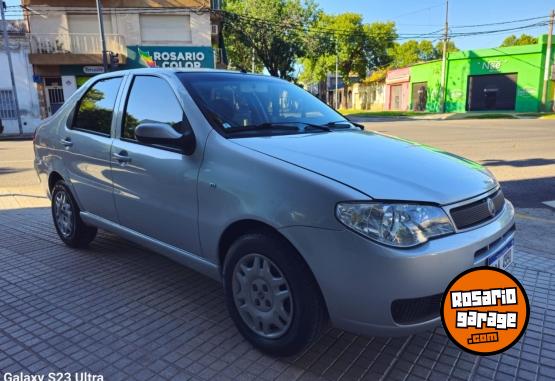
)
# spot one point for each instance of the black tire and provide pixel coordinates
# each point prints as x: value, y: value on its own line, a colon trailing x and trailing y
x: 308, y: 313
x: 78, y: 235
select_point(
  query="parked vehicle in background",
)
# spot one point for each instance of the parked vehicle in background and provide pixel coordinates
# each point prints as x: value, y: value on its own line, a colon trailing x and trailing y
x: 249, y: 179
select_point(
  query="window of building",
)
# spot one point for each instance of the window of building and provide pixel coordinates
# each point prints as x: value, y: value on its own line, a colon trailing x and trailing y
x: 97, y: 107
x: 164, y: 28
x: 7, y: 105
x: 151, y: 99
x: 87, y: 24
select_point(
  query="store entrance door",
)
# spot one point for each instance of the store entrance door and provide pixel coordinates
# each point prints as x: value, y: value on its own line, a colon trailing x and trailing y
x: 396, y: 97
x: 54, y: 94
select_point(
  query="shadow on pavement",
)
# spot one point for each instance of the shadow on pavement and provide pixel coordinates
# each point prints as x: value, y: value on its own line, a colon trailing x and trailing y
x: 8, y: 170
x: 519, y: 163
x: 529, y: 193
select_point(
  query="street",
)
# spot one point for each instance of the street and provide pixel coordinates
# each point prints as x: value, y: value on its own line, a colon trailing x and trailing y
x: 520, y: 153
x: 122, y: 311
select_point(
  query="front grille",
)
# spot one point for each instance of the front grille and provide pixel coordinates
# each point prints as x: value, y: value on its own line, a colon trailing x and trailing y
x: 477, y: 212
x: 417, y: 310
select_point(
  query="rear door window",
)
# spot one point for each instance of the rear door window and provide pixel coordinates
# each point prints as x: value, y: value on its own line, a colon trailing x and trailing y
x: 96, y: 108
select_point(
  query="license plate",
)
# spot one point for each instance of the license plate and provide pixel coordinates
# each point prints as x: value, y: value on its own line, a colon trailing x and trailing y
x: 503, y: 258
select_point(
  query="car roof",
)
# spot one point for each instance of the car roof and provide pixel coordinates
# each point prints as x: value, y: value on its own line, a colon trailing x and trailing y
x: 166, y: 71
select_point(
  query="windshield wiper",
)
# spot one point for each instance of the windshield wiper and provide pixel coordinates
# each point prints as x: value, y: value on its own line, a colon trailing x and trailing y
x: 280, y: 126
x: 261, y: 127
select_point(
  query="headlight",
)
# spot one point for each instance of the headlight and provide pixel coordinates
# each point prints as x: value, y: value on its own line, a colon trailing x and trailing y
x: 400, y: 225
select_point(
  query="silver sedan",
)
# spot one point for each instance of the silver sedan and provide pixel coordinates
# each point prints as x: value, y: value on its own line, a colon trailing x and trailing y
x: 302, y: 215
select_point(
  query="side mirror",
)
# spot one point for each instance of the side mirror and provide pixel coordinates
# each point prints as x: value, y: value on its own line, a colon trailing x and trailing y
x: 162, y: 133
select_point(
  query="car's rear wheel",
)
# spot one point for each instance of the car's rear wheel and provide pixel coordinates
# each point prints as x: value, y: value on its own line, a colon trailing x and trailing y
x: 271, y: 294
x: 65, y: 212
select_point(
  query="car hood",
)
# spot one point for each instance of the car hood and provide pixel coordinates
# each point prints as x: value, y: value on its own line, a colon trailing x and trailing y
x: 380, y: 166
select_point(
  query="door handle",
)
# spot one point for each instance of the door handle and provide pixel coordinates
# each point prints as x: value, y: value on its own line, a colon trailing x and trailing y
x: 122, y: 157
x: 66, y: 142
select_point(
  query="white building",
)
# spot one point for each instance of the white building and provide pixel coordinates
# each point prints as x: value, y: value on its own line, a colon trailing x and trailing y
x: 66, y: 47
x: 26, y: 88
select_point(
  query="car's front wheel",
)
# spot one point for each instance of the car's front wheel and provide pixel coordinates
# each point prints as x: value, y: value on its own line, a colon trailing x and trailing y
x: 65, y: 212
x: 271, y: 294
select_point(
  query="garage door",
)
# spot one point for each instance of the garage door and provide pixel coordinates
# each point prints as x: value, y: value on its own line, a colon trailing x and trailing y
x: 491, y: 92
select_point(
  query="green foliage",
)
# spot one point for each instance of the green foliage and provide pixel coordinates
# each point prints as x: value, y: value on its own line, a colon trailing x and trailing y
x: 450, y: 47
x: 524, y: 39
x: 412, y: 51
x: 259, y: 24
x: 358, y: 47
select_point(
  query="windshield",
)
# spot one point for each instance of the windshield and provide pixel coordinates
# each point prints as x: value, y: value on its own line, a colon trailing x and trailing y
x: 253, y: 105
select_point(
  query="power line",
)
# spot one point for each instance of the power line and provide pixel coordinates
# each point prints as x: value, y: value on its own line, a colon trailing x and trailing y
x: 298, y: 26
x: 499, y: 23
x: 476, y: 33
x: 433, y: 35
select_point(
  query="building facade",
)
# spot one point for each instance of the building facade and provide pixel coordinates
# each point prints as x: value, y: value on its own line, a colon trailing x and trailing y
x: 397, y: 89
x: 368, y: 95
x: 25, y: 87
x: 508, y: 78
x: 66, y: 47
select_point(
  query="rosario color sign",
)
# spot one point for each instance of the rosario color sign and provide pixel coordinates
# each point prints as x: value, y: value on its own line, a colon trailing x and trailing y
x: 170, y: 56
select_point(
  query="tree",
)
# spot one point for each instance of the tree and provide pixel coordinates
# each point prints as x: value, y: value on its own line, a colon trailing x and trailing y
x: 404, y: 54
x: 273, y: 28
x: 524, y: 39
x: 450, y: 48
x: 360, y: 47
x: 412, y: 51
x: 240, y: 55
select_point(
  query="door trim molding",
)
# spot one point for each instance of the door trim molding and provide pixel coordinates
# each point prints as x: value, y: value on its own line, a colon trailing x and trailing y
x: 178, y: 255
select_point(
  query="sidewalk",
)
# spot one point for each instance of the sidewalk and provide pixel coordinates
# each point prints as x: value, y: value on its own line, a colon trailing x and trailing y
x: 32, y: 196
x: 124, y: 312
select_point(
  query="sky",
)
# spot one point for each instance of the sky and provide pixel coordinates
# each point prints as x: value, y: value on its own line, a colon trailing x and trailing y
x: 426, y: 16
x: 429, y: 15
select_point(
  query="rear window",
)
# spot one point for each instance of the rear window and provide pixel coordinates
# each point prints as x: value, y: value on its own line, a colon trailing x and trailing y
x: 96, y: 107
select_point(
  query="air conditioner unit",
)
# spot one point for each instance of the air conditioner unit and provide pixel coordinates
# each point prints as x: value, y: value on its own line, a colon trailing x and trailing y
x: 214, y: 29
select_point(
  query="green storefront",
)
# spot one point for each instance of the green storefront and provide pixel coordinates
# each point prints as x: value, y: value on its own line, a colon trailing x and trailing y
x: 508, y: 78
x: 185, y: 57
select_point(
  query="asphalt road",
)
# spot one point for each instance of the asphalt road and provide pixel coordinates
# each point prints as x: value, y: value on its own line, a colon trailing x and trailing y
x: 521, y: 153
x: 16, y: 164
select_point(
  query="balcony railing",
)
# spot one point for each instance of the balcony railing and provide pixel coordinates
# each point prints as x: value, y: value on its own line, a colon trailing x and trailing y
x: 75, y: 43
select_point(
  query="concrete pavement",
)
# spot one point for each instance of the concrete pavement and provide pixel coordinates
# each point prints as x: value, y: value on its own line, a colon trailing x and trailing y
x: 121, y: 311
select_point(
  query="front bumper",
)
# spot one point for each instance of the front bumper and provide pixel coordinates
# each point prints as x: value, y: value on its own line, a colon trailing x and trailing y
x: 360, y: 279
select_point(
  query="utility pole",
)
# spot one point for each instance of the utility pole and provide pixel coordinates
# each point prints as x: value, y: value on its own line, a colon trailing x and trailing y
x: 336, y: 97
x: 444, y: 60
x: 9, y: 55
x: 547, y: 69
x: 102, y: 39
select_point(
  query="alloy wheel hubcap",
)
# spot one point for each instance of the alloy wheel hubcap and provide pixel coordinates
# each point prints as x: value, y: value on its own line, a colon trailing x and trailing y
x: 63, y: 213
x: 262, y: 296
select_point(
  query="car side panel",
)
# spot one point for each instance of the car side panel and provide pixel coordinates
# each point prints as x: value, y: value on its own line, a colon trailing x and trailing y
x: 48, y: 149
x: 236, y: 183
